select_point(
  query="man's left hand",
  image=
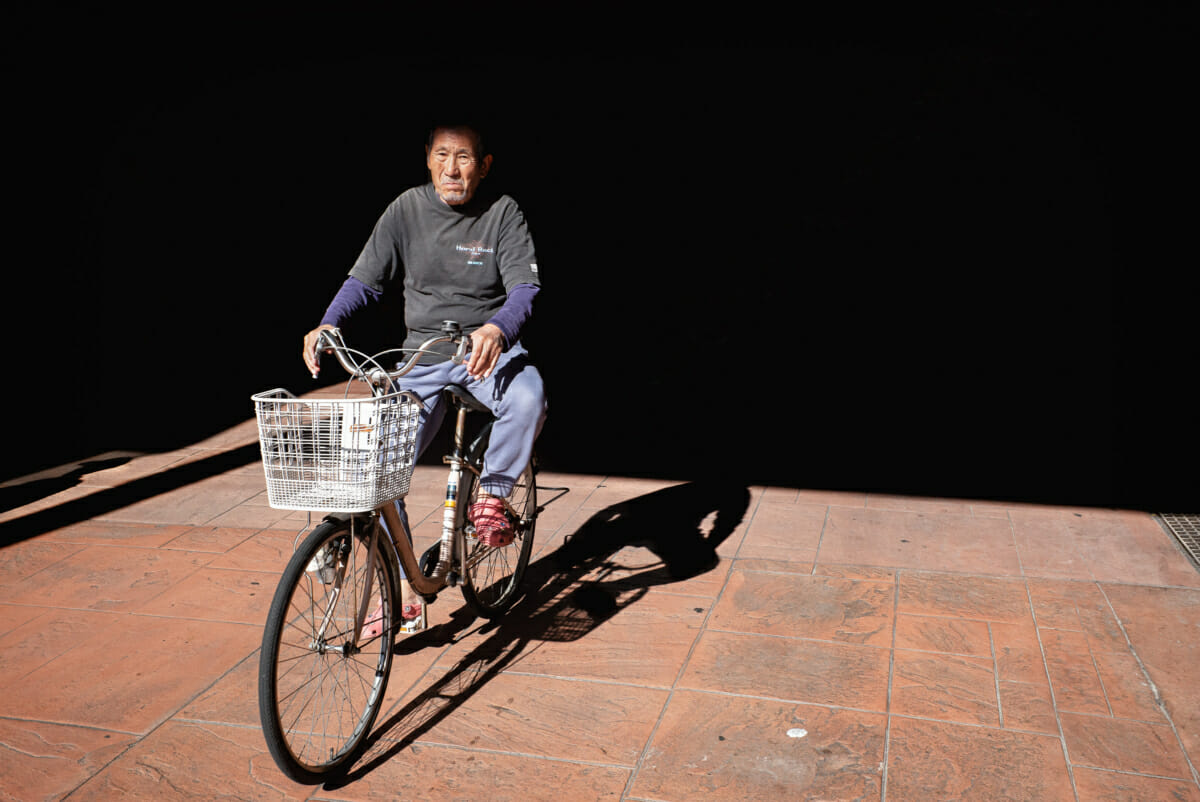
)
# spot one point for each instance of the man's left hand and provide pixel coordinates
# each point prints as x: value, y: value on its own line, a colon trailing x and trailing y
x: 487, y: 343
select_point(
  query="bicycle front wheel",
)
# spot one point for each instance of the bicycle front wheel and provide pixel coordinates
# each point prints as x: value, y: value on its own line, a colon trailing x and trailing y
x: 493, y: 576
x: 321, y: 684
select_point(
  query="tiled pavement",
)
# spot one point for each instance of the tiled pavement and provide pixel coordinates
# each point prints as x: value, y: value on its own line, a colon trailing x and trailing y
x: 680, y: 642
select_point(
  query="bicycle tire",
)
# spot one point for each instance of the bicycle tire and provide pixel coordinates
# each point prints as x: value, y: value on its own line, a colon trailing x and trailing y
x: 492, y: 579
x: 318, y: 691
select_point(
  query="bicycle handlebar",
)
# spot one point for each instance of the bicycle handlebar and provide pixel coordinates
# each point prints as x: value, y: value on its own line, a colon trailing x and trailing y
x: 331, y: 340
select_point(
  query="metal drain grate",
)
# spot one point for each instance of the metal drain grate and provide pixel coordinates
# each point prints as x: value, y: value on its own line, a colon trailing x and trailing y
x: 1186, y: 529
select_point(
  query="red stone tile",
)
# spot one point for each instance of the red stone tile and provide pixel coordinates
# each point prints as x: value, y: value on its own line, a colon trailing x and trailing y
x: 819, y: 607
x: 192, y: 504
x: 13, y: 616
x: 1081, y: 606
x: 975, y: 597
x: 871, y: 572
x: 133, y: 673
x: 614, y: 490
x: 422, y: 771
x: 882, y: 501
x: 1018, y: 652
x: 45, y: 635
x: 779, y: 495
x: 1056, y: 603
x: 538, y: 716
x: 1111, y: 786
x: 832, y: 498
x: 1123, y: 745
x: 246, y: 516
x: 639, y: 565
x: 137, y: 466
x: 1027, y: 706
x: 108, y: 578
x: 1103, y: 630
x: 717, y: 747
x: 797, y: 563
x: 1047, y: 543
x: 214, y: 539
x: 925, y: 541
x: 22, y: 560
x: 949, y: 635
x: 1127, y: 546
x: 644, y: 641
x: 945, y: 687
x: 938, y: 760
x: 1129, y: 693
x: 783, y: 532
x: 213, y: 594
x: 1073, y: 676
x: 194, y: 761
x: 1105, y: 545
x: 990, y: 509
x: 231, y: 699
x: 47, y: 761
x: 782, y: 668
x: 267, y: 550
x: 116, y: 533
x: 1156, y: 620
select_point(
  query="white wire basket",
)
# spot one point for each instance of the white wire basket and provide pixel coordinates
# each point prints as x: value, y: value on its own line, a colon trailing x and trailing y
x: 336, y: 455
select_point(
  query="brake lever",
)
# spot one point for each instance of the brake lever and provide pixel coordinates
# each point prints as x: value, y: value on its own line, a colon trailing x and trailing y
x: 464, y: 350
x: 327, y: 340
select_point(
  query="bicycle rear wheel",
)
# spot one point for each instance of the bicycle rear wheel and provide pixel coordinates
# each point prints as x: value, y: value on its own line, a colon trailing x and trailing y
x: 493, y: 576
x: 319, y: 688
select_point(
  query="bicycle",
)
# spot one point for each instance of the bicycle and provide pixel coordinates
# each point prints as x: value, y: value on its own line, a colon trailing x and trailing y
x: 327, y: 645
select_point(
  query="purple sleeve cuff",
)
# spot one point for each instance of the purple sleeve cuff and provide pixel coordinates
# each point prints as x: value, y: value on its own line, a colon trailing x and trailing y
x: 352, y: 296
x: 515, y: 313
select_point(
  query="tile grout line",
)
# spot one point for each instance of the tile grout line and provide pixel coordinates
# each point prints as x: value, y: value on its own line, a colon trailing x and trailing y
x: 1062, y: 738
x: 1158, y: 700
x: 1012, y: 530
x: 887, y: 732
x: 821, y: 539
x: 1092, y: 656
x: 996, y: 673
x: 700, y: 630
x: 165, y: 720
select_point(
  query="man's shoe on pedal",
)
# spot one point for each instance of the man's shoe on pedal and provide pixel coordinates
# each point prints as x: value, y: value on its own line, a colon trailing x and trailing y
x: 492, y: 526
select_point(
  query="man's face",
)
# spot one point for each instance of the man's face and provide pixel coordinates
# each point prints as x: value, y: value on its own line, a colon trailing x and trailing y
x: 455, y: 170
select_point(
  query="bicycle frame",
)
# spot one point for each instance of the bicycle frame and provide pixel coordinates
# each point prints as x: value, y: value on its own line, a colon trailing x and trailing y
x: 428, y: 586
x: 322, y: 670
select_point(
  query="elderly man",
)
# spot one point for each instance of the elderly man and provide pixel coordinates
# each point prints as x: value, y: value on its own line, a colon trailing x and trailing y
x: 459, y: 254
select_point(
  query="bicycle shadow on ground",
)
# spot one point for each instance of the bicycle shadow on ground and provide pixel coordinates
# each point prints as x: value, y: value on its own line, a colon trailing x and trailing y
x: 596, y: 573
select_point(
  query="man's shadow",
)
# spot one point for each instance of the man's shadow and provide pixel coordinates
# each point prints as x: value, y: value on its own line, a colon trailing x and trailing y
x: 19, y: 492
x: 568, y: 593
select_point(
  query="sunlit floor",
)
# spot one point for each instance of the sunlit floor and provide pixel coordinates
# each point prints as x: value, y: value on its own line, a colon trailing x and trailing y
x: 680, y: 641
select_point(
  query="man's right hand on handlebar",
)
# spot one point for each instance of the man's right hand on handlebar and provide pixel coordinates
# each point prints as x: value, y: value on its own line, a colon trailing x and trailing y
x: 311, y: 359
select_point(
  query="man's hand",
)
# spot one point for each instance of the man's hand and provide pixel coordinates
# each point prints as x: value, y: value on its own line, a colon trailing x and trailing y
x: 310, y: 349
x: 487, y: 343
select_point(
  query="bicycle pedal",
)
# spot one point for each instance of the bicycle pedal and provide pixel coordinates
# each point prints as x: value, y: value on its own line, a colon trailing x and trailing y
x: 414, y: 625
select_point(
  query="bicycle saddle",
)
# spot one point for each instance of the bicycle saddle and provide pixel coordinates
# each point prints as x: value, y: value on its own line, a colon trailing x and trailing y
x: 461, y: 396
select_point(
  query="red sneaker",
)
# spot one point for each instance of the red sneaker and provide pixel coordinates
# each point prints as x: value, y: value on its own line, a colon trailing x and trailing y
x: 491, y: 524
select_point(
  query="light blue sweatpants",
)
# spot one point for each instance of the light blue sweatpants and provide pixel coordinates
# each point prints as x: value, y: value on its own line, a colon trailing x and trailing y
x: 515, y: 395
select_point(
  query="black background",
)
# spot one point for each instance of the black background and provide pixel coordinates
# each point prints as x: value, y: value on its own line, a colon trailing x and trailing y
x: 951, y: 259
